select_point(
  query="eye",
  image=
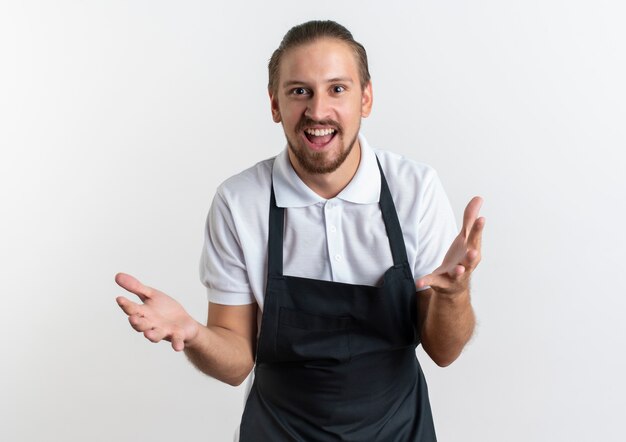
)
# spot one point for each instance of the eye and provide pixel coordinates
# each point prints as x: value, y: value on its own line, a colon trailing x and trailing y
x: 299, y: 91
x: 338, y: 89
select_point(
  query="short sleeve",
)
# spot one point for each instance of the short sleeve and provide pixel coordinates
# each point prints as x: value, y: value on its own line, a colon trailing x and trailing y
x: 436, y: 228
x: 222, y: 264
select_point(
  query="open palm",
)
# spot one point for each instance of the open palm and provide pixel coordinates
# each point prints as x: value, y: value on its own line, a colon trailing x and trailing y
x: 159, y: 317
x: 453, y: 275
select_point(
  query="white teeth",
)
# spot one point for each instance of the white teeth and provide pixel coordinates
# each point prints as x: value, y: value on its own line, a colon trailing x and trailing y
x: 320, y: 132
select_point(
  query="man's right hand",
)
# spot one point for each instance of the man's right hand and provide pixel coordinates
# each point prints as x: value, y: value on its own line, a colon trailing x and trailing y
x: 160, y: 317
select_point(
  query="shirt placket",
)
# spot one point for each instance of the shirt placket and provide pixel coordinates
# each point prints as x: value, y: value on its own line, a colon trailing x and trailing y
x: 333, y: 210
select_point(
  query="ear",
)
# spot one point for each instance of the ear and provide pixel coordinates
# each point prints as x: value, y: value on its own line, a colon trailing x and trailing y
x: 367, y: 100
x: 274, y: 107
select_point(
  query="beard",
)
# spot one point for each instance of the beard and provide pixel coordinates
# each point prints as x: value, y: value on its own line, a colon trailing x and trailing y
x: 318, y: 162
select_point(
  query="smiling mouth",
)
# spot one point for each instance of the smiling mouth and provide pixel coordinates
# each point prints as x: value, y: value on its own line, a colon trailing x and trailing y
x: 320, y: 137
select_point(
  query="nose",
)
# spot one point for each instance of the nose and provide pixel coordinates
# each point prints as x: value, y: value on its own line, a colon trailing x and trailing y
x: 318, y: 107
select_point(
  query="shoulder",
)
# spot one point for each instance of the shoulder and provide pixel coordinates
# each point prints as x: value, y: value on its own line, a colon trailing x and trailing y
x: 402, y: 171
x: 415, y: 186
x: 249, y: 185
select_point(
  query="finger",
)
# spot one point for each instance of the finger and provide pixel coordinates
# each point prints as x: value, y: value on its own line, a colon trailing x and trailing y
x: 475, y: 237
x: 456, y: 271
x: 129, y: 307
x: 443, y: 278
x: 424, y: 281
x: 470, y: 214
x: 133, y: 285
x: 445, y: 284
x: 178, y: 343
x: 439, y: 278
x: 140, y: 323
x: 155, y: 334
x: 470, y: 260
x: 435, y: 281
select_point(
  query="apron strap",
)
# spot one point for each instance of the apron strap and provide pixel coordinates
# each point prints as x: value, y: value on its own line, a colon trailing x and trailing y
x: 392, y: 224
x: 275, y: 238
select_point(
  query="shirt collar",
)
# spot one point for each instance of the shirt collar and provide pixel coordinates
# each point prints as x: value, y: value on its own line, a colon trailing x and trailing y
x: 290, y: 190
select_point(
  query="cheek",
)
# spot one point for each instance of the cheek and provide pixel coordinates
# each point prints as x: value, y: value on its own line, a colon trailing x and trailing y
x: 291, y: 114
x: 351, y: 112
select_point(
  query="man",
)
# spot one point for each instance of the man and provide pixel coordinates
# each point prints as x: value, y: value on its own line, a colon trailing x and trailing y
x: 322, y: 300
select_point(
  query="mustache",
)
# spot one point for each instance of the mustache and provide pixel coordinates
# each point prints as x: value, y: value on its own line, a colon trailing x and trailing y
x: 308, y: 122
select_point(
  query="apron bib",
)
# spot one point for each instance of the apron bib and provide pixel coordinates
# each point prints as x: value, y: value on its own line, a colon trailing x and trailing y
x: 336, y: 361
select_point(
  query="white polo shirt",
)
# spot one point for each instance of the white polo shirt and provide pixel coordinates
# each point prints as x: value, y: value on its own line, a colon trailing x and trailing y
x: 341, y: 239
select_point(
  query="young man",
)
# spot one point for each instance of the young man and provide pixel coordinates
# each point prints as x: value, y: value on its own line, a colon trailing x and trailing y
x: 359, y: 263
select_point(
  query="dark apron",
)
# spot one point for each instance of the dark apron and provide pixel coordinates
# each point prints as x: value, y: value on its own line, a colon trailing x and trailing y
x: 336, y: 361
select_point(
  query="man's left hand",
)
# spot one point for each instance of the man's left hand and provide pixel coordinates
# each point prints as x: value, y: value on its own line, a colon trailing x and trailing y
x: 453, y: 275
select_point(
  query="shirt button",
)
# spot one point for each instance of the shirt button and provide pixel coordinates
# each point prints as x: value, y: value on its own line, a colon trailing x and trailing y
x: 337, y: 257
x: 329, y: 205
x: 333, y: 229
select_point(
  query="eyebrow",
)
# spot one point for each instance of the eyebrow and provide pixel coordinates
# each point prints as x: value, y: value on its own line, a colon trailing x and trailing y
x: 330, y: 80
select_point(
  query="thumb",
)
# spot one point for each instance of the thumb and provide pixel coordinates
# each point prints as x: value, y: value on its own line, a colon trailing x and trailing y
x: 424, y: 281
x: 178, y: 343
x: 133, y: 285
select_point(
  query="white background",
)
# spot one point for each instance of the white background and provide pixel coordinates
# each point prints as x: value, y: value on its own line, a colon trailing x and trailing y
x: 118, y: 119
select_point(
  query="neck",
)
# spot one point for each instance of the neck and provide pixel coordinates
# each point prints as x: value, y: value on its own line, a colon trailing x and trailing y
x: 329, y: 185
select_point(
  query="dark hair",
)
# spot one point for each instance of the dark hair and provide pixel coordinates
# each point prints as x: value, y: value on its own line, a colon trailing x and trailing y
x: 309, y: 32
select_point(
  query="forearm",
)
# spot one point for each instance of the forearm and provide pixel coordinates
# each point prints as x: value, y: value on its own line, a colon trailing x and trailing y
x: 221, y: 353
x: 448, y: 326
